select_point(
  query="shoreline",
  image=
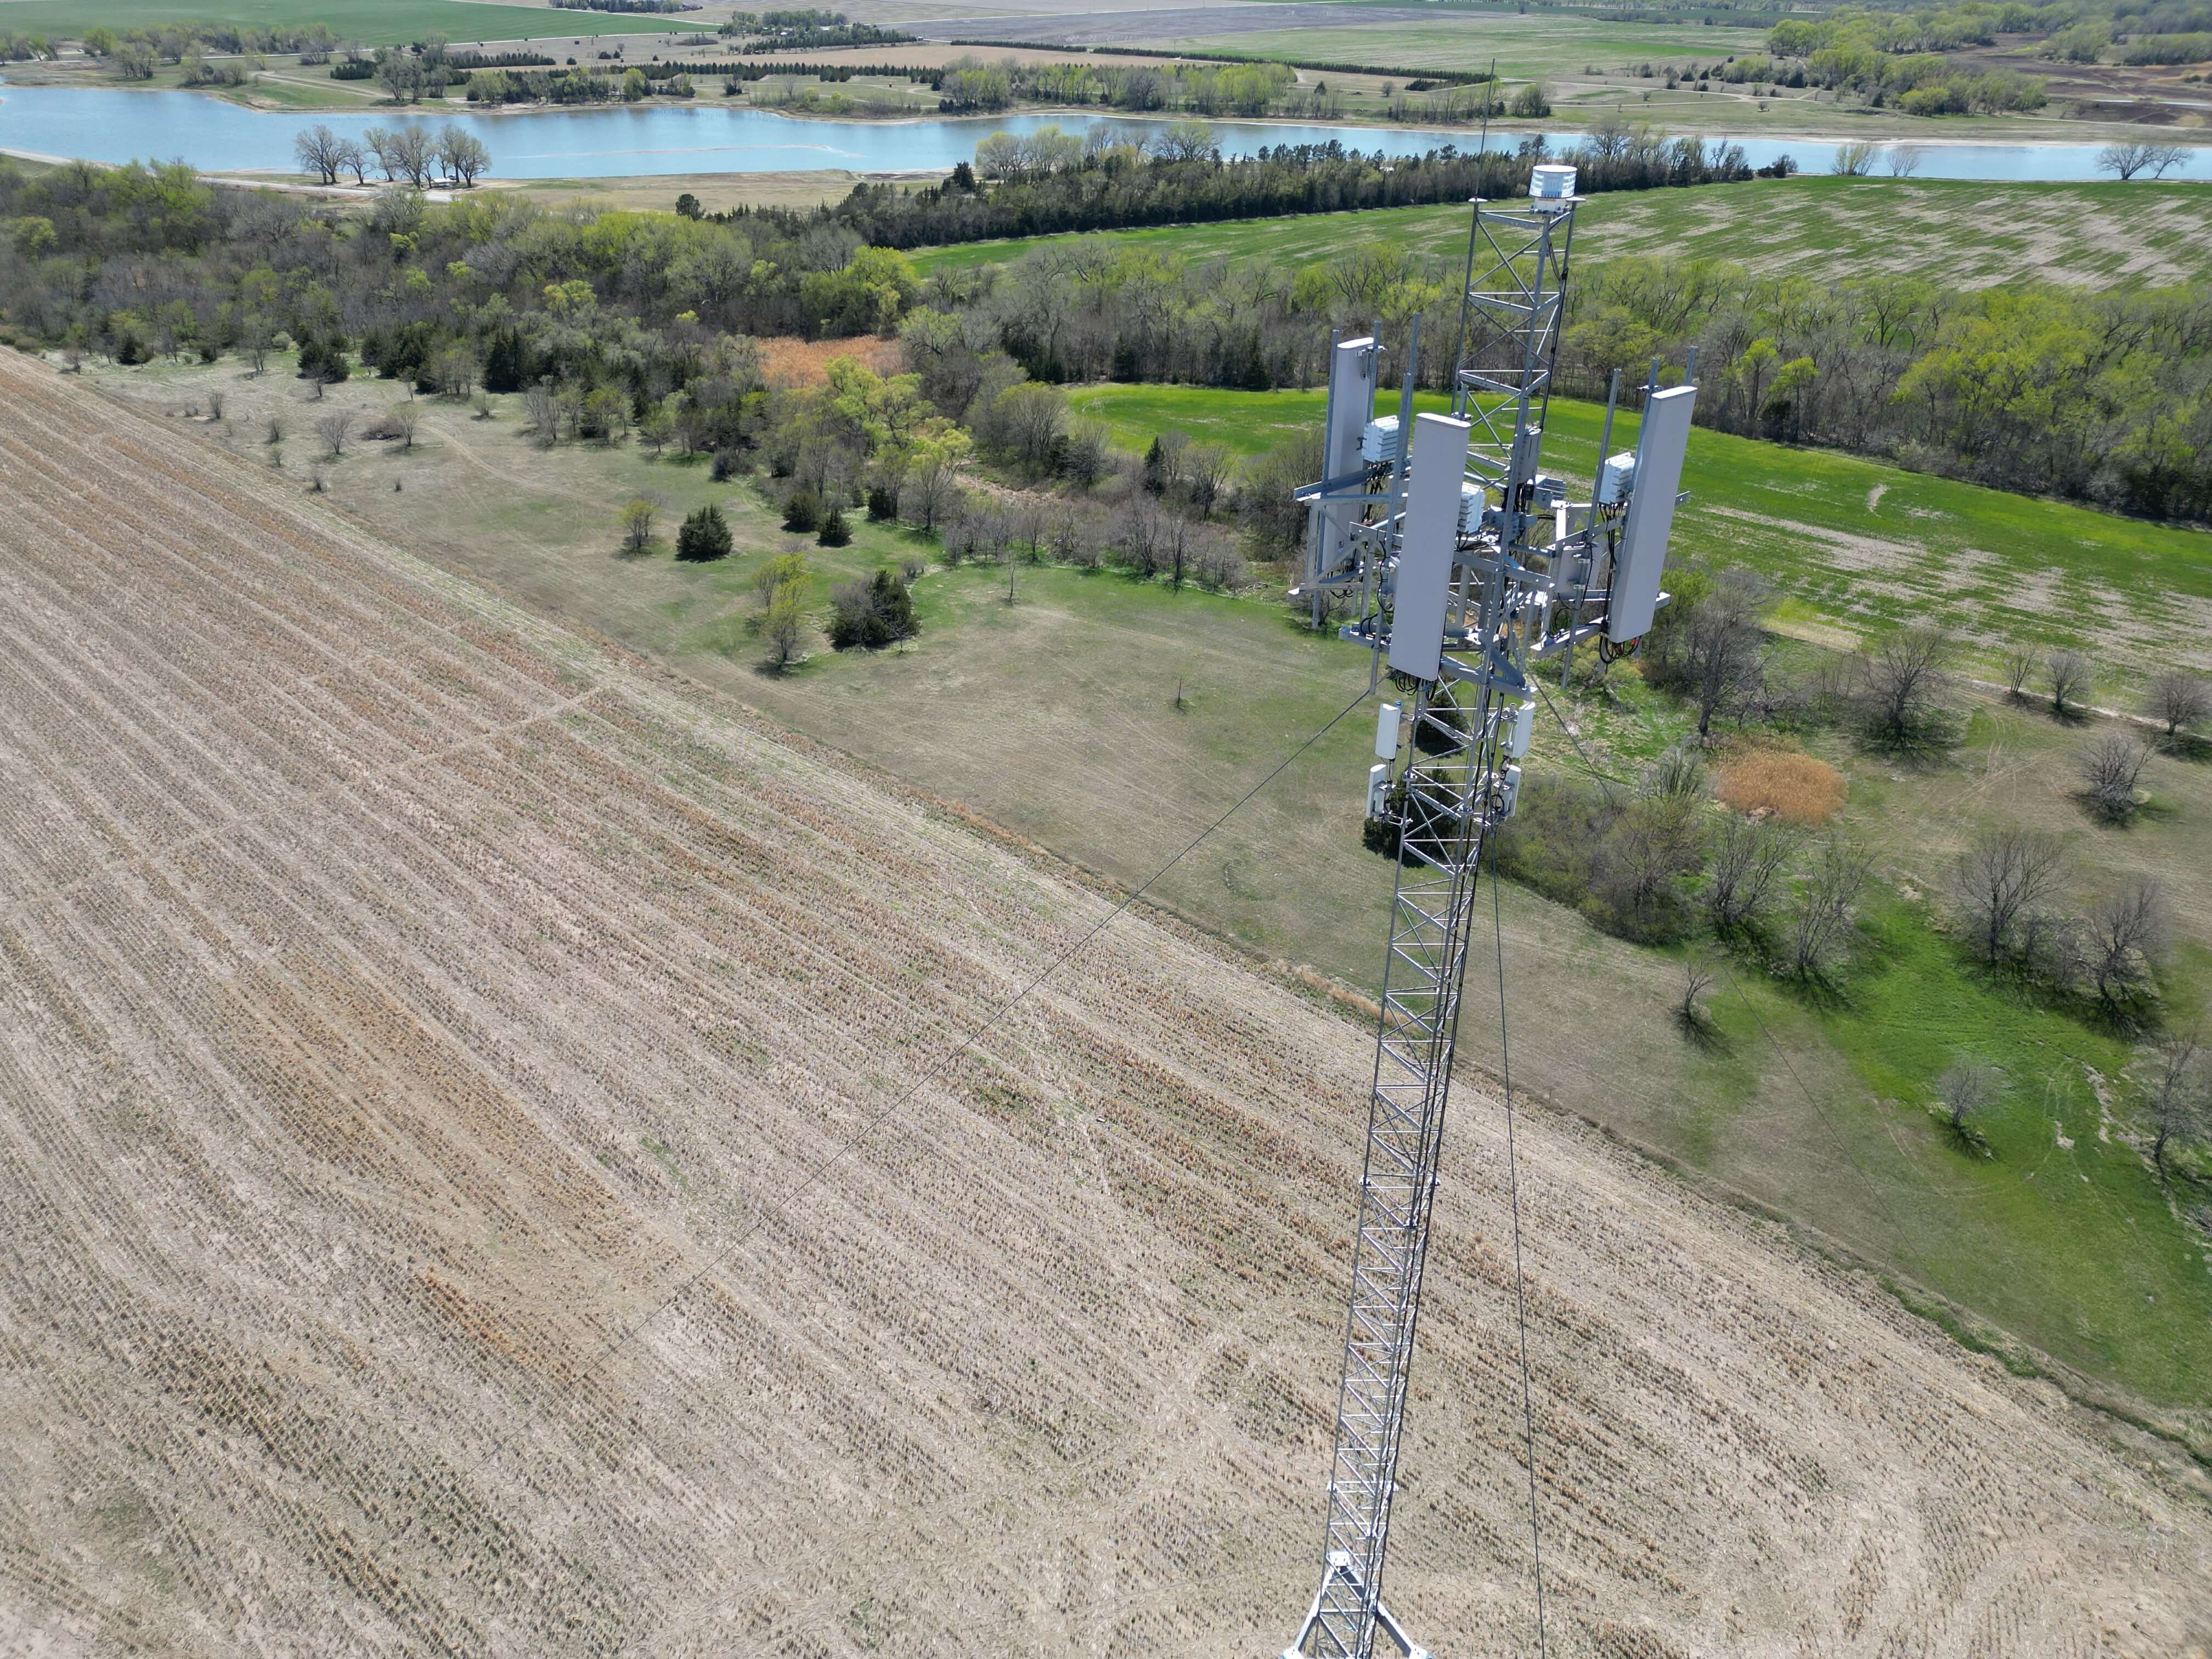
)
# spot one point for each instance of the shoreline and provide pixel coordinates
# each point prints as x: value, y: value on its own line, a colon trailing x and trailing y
x: 2196, y: 140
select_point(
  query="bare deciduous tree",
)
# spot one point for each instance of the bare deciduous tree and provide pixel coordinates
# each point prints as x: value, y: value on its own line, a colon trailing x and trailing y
x: 461, y: 154
x: 1209, y: 467
x: 1723, y: 651
x: 1969, y: 1089
x: 2067, y: 675
x: 2020, y: 665
x: 334, y: 428
x: 400, y: 420
x: 2135, y: 155
x: 1652, y: 845
x: 1697, y: 980
x: 321, y: 152
x: 2178, y: 702
x: 1749, y: 864
x: 1827, y: 906
x: 2111, y: 767
x: 1902, y: 689
x: 2001, y: 880
x: 2123, y: 938
x: 540, y: 403
x: 2179, y: 1094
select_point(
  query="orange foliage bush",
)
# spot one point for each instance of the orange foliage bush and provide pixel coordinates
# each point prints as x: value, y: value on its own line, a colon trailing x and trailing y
x: 1793, y: 787
x: 791, y: 363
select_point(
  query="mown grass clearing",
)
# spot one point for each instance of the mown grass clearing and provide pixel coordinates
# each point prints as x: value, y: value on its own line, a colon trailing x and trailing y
x: 1964, y: 232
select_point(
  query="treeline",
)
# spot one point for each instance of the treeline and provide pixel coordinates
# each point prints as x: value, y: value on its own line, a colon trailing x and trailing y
x: 169, y: 42
x: 826, y: 37
x: 1439, y: 77
x: 655, y: 6
x: 2102, y: 395
x: 140, y: 262
x: 588, y: 84
x: 971, y: 85
x: 805, y: 29
x: 1096, y: 183
x: 1863, y: 49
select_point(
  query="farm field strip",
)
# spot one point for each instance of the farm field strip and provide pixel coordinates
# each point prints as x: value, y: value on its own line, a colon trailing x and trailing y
x: 340, y: 1136
x: 1960, y: 231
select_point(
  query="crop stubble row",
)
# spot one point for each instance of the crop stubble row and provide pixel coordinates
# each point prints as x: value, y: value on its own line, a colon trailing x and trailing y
x: 402, y: 999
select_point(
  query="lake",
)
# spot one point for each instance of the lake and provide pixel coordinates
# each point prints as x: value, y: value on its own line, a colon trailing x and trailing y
x: 105, y: 124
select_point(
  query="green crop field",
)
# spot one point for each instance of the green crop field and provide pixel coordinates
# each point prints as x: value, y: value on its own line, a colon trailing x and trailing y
x: 370, y: 21
x: 1964, y: 232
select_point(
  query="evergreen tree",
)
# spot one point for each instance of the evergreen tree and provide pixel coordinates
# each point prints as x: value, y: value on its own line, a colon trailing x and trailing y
x: 705, y: 536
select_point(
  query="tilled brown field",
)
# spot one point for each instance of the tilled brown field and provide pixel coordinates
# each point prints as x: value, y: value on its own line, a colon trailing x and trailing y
x: 404, y: 1000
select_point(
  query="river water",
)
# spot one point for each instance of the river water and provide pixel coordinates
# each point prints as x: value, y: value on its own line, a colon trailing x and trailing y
x: 101, y: 124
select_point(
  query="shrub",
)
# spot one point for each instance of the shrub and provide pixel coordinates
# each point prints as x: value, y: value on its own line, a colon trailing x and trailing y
x: 802, y: 511
x: 871, y: 614
x: 729, y: 464
x: 1785, y: 784
x: 636, y: 518
x: 704, y: 537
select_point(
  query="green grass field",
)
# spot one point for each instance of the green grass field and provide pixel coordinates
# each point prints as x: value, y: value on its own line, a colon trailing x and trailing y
x: 373, y: 23
x: 1960, y: 231
x: 1058, y: 715
x: 1856, y: 545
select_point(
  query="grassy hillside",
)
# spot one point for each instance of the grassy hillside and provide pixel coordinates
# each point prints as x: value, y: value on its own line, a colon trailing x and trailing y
x: 373, y: 23
x: 1957, y: 231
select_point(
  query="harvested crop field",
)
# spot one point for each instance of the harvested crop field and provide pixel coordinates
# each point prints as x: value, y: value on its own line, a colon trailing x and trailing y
x: 428, y: 1043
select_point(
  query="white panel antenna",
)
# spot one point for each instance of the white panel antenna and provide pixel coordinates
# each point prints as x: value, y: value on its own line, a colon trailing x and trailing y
x: 1352, y: 369
x: 1641, y: 559
x: 1425, y: 552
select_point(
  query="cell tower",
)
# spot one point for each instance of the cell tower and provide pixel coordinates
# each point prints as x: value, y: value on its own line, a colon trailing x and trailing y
x: 1468, y: 562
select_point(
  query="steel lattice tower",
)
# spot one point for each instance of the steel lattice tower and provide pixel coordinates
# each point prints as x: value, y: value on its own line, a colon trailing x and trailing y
x: 1507, y: 567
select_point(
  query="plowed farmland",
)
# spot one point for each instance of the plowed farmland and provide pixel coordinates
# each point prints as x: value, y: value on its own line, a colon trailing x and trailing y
x: 477, y: 1176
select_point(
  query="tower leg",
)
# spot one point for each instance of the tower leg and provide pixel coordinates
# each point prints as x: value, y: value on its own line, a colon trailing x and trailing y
x: 1340, y: 1568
